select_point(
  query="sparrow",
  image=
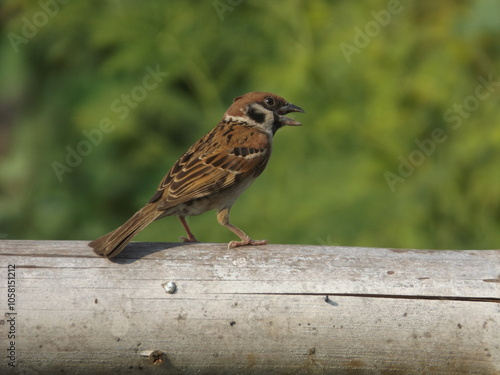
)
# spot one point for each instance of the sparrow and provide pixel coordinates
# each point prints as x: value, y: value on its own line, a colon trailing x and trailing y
x: 213, y: 172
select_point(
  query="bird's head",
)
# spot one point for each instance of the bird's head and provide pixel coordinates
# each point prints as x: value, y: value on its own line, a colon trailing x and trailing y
x: 263, y: 110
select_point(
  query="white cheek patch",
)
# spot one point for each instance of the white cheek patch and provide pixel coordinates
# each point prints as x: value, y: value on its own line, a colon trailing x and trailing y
x: 237, y: 119
x: 256, y: 115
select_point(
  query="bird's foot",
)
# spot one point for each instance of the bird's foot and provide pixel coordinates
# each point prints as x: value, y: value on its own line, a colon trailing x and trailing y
x: 190, y: 239
x: 247, y: 241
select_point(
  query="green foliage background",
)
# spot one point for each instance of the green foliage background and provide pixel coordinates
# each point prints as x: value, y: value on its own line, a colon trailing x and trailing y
x: 326, y: 181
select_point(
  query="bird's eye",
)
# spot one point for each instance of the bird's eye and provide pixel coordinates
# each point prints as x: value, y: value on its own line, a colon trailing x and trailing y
x: 269, y: 101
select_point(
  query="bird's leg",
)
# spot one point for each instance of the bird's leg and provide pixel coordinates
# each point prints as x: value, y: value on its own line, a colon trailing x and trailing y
x: 190, y: 236
x: 223, y: 219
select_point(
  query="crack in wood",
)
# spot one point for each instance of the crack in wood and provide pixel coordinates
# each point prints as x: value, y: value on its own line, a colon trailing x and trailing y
x: 39, y: 255
x: 387, y: 296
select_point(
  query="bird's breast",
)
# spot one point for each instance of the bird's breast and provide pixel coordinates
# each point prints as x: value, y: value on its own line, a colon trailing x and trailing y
x: 216, y: 201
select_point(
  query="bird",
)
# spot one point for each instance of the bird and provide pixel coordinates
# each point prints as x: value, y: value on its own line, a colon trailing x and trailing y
x: 213, y: 172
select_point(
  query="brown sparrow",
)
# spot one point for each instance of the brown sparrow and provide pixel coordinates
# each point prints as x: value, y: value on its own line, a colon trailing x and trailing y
x: 213, y: 173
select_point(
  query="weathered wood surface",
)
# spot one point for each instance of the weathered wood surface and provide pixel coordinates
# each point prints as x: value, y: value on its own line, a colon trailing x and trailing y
x: 258, y: 310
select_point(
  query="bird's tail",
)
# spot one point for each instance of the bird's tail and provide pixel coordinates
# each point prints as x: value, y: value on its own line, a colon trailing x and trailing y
x: 111, y: 244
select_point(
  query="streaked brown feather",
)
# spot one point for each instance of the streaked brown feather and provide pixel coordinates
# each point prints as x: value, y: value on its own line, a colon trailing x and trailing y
x: 203, y: 171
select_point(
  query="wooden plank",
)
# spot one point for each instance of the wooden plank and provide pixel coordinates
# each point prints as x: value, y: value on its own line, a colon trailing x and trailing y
x: 259, y: 310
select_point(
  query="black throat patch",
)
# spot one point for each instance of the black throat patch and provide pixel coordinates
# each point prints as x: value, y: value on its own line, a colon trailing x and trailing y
x: 276, y: 123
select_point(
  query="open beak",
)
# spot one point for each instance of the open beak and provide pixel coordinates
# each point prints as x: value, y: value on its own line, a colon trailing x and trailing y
x: 287, y: 108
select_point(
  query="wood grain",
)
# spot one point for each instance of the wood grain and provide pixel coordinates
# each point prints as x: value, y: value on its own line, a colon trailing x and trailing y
x: 274, y: 309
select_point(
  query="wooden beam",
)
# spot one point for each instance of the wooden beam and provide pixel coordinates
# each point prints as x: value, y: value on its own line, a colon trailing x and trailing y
x: 287, y: 309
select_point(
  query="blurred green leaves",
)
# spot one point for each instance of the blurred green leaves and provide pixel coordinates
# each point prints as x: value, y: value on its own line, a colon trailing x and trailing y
x: 325, y: 183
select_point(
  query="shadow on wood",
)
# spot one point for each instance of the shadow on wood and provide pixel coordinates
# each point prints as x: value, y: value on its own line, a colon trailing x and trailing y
x: 137, y: 250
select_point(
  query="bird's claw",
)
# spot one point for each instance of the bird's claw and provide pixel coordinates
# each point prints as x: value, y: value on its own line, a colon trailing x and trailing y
x: 188, y: 239
x: 245, y: 242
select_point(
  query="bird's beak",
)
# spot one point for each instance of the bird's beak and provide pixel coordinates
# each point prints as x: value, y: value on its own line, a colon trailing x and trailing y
x: 287, y: 108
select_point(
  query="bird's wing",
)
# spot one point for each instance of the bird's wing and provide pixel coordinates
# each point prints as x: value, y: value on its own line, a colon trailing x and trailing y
x: 216, y: 162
